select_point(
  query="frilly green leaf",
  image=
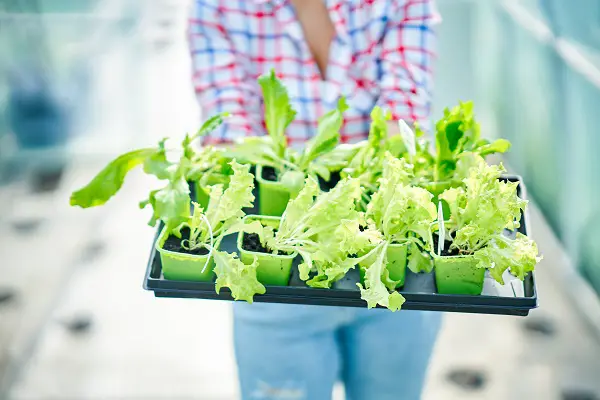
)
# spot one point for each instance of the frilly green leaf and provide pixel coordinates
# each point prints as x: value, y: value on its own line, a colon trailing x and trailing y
x: 238, y: 277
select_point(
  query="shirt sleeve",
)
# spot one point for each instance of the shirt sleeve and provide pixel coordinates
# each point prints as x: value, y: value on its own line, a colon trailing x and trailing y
x: 221, y: 83
x: 408, y: 50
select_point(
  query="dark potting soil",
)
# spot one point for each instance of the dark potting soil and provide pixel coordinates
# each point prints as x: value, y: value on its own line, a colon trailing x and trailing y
x: 269, y: 174
x: 173, y: 243
x: 446, y: 251
x: 251, y: 242
x: 330, y: 184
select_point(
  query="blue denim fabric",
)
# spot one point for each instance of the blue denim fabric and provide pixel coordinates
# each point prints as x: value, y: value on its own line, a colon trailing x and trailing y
x: 292, y: 352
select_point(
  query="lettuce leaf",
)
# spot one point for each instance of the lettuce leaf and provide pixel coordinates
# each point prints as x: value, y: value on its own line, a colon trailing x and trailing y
x: 483, y: 207
x: 340, y: 156
x: 209, y: 165
x: 330, y: 208
x: 225, y: 207
x: 418, y: 260
x: 457, y: 132
x: 298, y: 207
x: 278, y: 110
x: 240, y: 278
x: 223, y: 216
x: 334, y: 257
x: 210, y: 125
x: 312, y: 212
x: 379, y: 288
x: 401, y: 214
x: 324, y: 229
x: 498, y: 146
x: 327, y: 137
x: 378, y: 131
x: 169, y: 199
x: 457, y: 126
x: 108, y: 181
x: 292, y: 167
x: 170, y: 204
x: 519, y: 255
x: 367, y: 164
x: 224, y: 213
x: 397, y: 209
x: 329, y: 272
x: 293, y: 181
x: 352, y: 239
x: 257, y: 150
x: 157, y: 164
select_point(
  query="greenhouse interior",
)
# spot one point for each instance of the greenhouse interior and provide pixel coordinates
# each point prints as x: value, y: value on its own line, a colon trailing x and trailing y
x: 84, y: 81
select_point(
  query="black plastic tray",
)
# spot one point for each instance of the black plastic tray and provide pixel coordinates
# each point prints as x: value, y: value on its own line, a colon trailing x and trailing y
x: 514, y: 298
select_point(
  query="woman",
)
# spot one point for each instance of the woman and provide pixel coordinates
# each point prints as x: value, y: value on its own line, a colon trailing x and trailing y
x: 374, y: 52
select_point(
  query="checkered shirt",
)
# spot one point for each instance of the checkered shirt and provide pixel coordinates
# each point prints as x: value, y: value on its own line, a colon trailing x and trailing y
x: 381, y: 55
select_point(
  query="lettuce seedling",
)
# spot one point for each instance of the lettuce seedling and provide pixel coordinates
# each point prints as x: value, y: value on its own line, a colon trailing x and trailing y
x: 402, y: 214
x: 323, y: 227
x: 459, y: 132
x: 209, y: 164
x: 456, y: 133
x: 291, y: 166
x: 223, y: 217
x: 170, y: 203
x: 364, y: 160
x: 479, y: 212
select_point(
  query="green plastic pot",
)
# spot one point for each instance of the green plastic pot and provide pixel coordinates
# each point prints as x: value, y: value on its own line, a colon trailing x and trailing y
x: 202, y: 192
x: 273, y: 197
x: 182, y: 266
x: 396, y: 256
x: 272, y: 269
x: 458, y: 275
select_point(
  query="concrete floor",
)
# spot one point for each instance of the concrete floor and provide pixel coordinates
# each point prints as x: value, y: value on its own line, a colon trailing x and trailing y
x: 71, y: 265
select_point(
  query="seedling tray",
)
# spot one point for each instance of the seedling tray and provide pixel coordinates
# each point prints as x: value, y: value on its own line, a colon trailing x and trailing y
x: 514, y: 298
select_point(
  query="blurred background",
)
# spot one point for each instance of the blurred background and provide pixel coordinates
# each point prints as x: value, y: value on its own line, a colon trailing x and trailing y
x: 84, y: 80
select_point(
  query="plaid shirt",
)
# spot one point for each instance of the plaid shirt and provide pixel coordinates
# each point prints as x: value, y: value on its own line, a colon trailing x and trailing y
x: 381, y: 55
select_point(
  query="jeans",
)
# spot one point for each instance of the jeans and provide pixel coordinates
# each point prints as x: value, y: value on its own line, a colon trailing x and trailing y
x: 287, y: 352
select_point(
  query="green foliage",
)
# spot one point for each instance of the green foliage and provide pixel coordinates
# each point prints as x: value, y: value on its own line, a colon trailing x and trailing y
x: 458, y: 132
x: 367, y: 162
x: 171, y: 203
x: 480, y: 212
x: 402, y: 214
x: 518, y: 255
x: 291, y: 166
x: 224, y: 216
x: 484, y: 207
x: 278, y: 111
x: 108, y: 181
x: 385, y: 197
